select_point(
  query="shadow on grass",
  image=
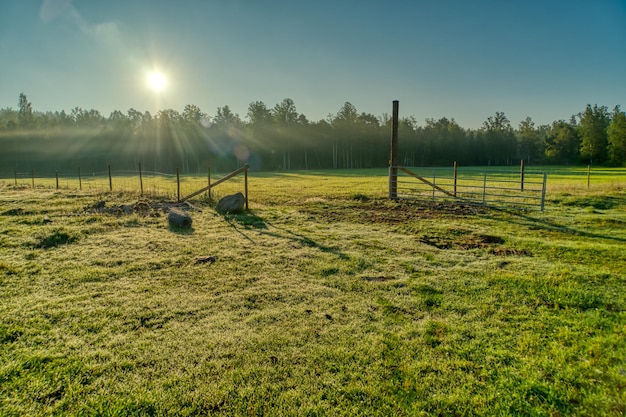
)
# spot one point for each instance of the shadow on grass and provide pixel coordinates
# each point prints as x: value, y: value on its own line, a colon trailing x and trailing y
x: 181, y: 230
x: 549, y: 225
x: 306, y: 241
x: 248, y: 220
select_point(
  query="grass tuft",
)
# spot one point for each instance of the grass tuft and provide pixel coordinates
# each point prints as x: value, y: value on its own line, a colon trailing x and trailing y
x: 55, y: 238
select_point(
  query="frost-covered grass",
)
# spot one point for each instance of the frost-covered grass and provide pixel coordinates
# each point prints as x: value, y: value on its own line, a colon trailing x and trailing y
x: 324, y: 299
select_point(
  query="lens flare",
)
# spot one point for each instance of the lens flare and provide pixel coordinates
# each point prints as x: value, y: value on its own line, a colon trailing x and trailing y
x: 157, y: 81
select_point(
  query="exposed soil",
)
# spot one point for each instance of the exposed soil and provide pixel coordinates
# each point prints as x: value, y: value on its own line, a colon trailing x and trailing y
x: 385, y: 211
x: 467, y: 241
x: 141, y: 207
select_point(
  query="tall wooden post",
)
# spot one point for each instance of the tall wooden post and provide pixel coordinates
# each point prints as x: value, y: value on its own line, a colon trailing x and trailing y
x: 80, y: 181
x: 32, y: 175
x: 57, y: 178
x: 393, y: 161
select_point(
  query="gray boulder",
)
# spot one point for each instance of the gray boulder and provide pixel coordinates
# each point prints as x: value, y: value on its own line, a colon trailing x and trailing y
x: 231, y: 203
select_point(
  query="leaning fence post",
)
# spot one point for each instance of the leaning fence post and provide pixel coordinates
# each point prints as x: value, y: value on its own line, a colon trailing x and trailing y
x: 455, y: 172
x: 177, y: 185
x: 57, y: 178
x: 110, y: 180
x: 140, y: 180
x: 245, y: 182
x: 80, y: 181
x: 522, y: 174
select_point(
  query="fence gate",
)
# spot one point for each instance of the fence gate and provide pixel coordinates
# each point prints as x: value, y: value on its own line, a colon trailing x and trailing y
x: 513, y: 189
x: 521, y: 189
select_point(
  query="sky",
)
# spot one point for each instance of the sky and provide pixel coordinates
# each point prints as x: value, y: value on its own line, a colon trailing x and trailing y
x: 461, y: 59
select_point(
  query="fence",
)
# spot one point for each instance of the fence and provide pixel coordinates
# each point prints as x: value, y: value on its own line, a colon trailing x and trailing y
x: 576, y: 179
x: 520, y: 189
x: 145, y: 183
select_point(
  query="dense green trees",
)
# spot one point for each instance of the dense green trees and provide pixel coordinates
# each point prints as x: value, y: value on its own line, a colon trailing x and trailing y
x: 562, y: 143
x: 592, y: 129
x: 281, y: 138
x: 616, y: 137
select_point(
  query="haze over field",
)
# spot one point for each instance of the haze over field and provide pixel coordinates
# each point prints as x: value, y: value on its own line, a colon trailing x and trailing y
x: 455, y: 59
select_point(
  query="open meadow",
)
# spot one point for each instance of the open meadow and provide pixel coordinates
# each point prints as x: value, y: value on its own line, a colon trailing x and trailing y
x: 324, y: 299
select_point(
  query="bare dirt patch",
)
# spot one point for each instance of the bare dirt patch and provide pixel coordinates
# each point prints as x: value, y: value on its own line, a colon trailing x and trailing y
x: 465, y: 241
x: 384, y: 211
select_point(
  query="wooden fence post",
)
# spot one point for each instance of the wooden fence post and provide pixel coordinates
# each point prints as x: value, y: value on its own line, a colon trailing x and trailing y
x: 588, y: 175
x: 177, y: 185
x: 32, y: 175
x: 485, y: 188
x: 57, y: 178
x: 455, y: 176
x: 140, y: 180
x: 245, y: 182
x: 393, y: 161
x: 15, y: 178
x: 80, y: 181
x: 543, y: 191
x: 110, y: 180
x: 521, y: 169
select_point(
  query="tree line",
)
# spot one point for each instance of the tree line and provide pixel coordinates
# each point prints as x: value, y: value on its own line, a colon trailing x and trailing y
x: 280, y: 138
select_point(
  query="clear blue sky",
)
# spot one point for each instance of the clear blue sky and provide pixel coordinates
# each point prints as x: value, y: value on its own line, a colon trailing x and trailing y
x: 459, y: 59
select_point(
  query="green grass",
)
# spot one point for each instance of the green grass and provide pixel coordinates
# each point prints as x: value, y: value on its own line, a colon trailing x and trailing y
x: 324, y: 299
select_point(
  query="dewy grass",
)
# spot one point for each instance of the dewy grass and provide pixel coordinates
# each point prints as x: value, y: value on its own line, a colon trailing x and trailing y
x: 324, y: 299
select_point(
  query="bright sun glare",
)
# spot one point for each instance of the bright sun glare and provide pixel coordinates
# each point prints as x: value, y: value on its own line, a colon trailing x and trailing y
x: 157, y: 81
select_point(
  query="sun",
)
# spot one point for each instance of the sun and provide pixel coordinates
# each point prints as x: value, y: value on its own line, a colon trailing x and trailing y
x: 157, y: 81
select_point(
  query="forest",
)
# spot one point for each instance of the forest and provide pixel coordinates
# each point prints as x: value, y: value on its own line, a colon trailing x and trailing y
x: 281, y: 139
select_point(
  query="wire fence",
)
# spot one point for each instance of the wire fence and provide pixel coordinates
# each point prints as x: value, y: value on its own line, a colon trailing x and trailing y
x: 148, y: 184
x: 483, y: 185
x: 525, y: 189
x: 585, y: 178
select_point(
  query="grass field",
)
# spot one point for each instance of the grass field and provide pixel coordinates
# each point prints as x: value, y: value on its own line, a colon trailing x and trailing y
x: 324, y: 299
